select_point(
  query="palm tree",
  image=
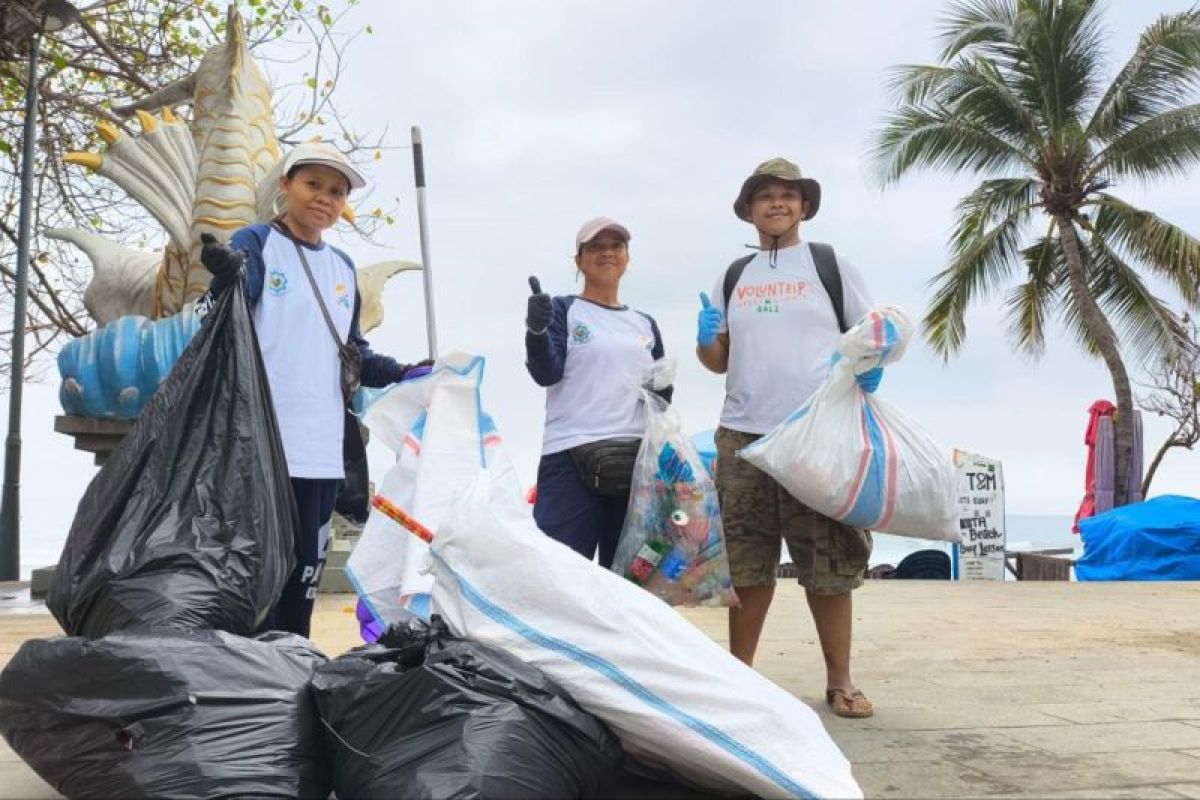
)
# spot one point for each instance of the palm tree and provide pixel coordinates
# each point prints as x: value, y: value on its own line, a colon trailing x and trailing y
x: 1017, y: 98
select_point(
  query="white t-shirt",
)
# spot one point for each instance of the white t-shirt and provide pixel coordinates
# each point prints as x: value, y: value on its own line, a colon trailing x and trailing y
x: 592, y: 359
x: 782, y: 333
x: 298, y: 351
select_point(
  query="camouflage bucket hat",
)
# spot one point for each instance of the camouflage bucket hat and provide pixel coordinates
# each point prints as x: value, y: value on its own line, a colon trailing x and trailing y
x: 782, y: 170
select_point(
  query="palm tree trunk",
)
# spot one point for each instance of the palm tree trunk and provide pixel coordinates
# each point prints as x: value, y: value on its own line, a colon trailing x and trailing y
x: 1102, y: 334
x: 1154, y: 462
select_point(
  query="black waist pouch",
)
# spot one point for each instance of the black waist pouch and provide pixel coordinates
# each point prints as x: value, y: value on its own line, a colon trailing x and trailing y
x: 606, y: 466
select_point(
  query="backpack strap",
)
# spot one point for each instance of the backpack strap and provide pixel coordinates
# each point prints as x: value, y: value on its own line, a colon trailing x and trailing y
x: 827, y: 271
x: 831, y: 279
x: 733, y: 274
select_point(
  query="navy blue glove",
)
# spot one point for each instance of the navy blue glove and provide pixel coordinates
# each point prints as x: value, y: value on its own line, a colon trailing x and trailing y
x: 869, y: 380
x: 221, y: 260
x: 708, y: 324
x: 539, y: 309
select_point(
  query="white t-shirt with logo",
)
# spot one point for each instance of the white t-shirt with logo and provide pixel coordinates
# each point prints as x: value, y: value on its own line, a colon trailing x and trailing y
x: 299, y: 354
x: 592, y: 360
x: 782, y: 332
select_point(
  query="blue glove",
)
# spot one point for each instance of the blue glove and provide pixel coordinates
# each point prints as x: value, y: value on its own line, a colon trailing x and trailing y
x: 869, y: 380
x: 709, y: 323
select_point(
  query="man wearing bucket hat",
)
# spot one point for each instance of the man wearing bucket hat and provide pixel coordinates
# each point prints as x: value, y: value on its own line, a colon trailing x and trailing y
x: 771, y: 326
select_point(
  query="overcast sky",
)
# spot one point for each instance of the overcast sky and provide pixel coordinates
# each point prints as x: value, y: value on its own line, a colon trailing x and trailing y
x: 539, y: 115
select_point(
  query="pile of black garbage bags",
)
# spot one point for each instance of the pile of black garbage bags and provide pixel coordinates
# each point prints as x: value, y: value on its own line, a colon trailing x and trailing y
x: 166, y: 687
x: 162, y: 713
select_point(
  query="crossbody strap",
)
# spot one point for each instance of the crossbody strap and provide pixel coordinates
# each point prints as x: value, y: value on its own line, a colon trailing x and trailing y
x: 316, y: 292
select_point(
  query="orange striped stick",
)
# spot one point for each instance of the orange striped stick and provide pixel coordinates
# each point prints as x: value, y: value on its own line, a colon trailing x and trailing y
x: 402, y: 518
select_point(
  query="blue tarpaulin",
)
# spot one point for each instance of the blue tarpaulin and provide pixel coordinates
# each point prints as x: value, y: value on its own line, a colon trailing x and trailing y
x: 1158, y: 540
x: 706, y: 446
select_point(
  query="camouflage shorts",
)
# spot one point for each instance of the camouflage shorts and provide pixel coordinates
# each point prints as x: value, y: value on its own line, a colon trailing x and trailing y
x: 758, y: 513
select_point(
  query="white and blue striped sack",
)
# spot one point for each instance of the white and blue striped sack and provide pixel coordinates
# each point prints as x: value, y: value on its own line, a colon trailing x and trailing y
x: 672, y: 695
x: 442, y: 439
x: 851, y: 456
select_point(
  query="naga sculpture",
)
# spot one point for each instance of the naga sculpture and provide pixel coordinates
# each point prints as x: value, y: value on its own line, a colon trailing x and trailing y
x: 218, y: 175
x: 215, y: 176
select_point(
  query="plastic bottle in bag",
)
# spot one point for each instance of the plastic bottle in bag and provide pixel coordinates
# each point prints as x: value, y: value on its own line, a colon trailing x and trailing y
x: 646, y: 561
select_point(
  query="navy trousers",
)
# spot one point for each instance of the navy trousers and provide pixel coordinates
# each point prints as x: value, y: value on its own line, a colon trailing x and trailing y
x: 314, y: 500
x: 569, y: 512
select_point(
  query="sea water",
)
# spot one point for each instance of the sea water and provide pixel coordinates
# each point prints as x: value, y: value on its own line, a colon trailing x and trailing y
x: 1024, y: 532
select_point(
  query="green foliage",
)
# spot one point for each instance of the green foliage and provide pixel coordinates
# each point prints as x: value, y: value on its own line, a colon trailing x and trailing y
x: 1016, y: 98
x: 119, y: 53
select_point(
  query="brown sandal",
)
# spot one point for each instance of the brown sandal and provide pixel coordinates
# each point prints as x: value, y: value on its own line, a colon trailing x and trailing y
x: 849, y: 704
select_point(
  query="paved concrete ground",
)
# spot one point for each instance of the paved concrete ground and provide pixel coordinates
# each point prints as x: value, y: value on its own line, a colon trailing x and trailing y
x: 1050, y: 690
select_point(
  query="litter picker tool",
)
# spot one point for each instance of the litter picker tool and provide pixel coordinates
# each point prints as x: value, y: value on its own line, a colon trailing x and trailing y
x: 427, y: 271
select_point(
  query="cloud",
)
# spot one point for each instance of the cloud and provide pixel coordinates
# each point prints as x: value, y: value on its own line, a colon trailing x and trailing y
x: 538, y: 114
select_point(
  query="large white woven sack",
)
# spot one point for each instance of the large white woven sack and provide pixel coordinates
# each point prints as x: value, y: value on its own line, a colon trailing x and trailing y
x: 442, y: 440
x: 669, y: 692
x: 853, y: 457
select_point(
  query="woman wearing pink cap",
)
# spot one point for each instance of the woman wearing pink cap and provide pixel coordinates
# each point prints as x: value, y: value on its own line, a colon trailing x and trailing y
x: 590, y: 352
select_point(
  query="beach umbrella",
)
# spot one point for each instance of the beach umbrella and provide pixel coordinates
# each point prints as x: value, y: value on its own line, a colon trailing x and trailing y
x: 1087, y: 507
x: 1103, y: 477
x: 1133, y: 491
x: 1106, y: 473
x: 1100, y: 482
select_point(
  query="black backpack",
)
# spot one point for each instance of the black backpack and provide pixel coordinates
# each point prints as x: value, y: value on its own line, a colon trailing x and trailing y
x: 827, y: 271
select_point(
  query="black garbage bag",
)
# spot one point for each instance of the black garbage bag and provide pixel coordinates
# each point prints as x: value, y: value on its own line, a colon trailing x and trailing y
x: 190, y: 523
x: 424, y: 714
x: 639, y: 780
x: 179, y: 714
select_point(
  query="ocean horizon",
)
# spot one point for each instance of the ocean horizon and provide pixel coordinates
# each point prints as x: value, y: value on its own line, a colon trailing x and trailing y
x: 1022, y: 532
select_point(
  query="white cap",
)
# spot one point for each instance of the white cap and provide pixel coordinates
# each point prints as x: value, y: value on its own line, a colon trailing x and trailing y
x: 593, y: 227
x: 326, y: 155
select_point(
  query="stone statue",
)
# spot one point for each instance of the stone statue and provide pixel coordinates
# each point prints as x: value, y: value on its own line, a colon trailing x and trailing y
x: 217, y: 176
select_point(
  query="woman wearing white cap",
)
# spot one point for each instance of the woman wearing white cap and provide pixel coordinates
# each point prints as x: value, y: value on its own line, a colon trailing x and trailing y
x: 590, y: 352
x: 305, y: 304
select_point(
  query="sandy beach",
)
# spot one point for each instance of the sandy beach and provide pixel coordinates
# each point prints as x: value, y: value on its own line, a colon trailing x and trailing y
x: 1052, y: 690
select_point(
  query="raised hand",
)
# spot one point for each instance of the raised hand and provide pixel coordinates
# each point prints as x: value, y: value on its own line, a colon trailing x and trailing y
x: 708, y: 325
x: 539, y: 309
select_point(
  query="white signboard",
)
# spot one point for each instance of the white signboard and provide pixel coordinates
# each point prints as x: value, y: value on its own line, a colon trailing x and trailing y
x: 980, y: 517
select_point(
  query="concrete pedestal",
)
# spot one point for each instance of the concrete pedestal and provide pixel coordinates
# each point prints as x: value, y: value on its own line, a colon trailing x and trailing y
x: 100, y: 437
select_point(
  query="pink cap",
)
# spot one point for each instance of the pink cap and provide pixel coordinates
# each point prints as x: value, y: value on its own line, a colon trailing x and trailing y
x: 593, y: 227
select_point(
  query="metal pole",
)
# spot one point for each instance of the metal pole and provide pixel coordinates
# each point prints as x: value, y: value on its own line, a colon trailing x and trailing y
x: 427, y: 267
x: 10, y: 502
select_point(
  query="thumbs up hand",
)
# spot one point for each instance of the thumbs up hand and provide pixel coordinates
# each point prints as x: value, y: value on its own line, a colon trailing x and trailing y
x: 539, y: 309
x: 709, y: 323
